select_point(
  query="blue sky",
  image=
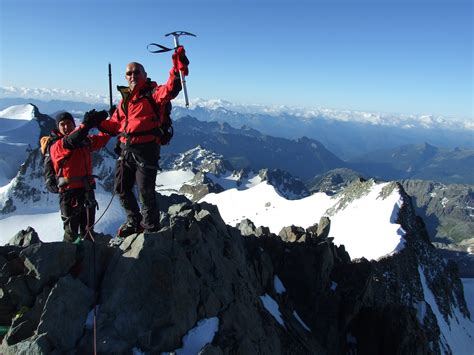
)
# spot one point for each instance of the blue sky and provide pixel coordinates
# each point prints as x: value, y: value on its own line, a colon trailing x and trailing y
x: 392, y: 56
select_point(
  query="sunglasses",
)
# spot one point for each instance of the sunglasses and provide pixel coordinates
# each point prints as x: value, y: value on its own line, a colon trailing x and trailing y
x: 136, y: 72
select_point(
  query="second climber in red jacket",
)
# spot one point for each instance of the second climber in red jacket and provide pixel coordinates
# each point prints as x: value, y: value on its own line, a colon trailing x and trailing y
x: 140, y: 121
x: 71, y: 157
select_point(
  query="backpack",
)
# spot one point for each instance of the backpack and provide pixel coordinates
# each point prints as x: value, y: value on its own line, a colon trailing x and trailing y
x: 161, y: 111
x: 49, y: 175
x: 167, y: 126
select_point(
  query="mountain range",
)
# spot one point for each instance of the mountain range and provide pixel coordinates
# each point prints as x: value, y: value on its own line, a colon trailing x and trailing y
x: 247, y: 149
x: 249, y: 258
x: 346, y: 133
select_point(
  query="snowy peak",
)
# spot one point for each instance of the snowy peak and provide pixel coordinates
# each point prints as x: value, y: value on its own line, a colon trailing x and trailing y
x: 19, y: 112
x: 14, y: 117
x: 200, y: 159
x: 199, y: 171
x: 20, y: 130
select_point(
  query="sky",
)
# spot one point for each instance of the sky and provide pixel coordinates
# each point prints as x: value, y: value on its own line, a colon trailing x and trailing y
x: 389, y: 56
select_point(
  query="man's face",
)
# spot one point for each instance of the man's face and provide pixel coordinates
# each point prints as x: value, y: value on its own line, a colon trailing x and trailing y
x: 135, y: 75
x: 66, y: 127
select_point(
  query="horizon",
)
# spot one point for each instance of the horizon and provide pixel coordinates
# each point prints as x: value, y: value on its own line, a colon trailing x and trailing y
x: 391, y: 56
x: 66, y: 95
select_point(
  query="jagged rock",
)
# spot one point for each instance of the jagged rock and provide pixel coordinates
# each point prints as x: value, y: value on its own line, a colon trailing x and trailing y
x: 38, y: 344
x: 65, y: 313
x: 25, y: 238
x: 7, y: 308
x: 199, y: 159
x: 10, y: 263
x: 26, y: 322
x: 313, y: 230
x: 199, y: 187
x: 293, y: 234
x: 395, y: 327
x: 333, y: 181
x: 97, y: 254
x: 323, y: 227
x: 19, y: 292
x: 156, y: 287
x: 165, y: 202
x: 287, y: 185
x: 446, y: 212
x: 247, y: 227
x: 46, y: 262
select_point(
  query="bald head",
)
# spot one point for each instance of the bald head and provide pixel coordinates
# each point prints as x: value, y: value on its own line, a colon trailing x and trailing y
x: 135, y: 74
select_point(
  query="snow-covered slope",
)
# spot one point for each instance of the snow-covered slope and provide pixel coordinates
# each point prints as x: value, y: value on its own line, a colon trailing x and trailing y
x: 363, y: 219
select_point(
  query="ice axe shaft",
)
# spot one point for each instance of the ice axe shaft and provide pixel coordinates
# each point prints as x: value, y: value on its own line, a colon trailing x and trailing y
x: 176, y: 35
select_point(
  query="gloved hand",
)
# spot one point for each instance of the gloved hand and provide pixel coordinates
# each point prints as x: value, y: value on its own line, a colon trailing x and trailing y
x: 94, y: 118
x: 180, y: 61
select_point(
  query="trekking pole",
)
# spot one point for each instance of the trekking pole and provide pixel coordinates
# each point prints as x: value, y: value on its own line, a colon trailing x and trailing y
x: 162, y: 49
x: 111, y: 109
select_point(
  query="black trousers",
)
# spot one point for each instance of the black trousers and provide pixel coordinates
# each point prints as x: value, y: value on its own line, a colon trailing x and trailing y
x: 77, y: 212
x: 139, y: 165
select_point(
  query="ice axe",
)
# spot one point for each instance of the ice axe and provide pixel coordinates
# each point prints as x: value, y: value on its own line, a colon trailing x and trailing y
x: 162, y: 49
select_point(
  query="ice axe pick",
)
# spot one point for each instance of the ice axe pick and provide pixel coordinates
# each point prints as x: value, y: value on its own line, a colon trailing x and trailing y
x: 163, y: 49
x: 176, y: 35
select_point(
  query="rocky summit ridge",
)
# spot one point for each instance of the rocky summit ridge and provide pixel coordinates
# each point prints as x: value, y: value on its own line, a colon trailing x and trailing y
x: 261, y: 293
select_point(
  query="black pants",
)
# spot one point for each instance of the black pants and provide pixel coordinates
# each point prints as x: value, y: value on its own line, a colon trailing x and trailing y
x: 139, y: 166
x: 77, y: 212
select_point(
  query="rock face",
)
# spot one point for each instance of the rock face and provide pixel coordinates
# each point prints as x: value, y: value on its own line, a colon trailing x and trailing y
x: 334, y: 181
x: 288, y: 186
x: 239, y: 147
x: 447, y: 212
x: 418, y: 161
x: 296, y: 293
x: 197, y: 158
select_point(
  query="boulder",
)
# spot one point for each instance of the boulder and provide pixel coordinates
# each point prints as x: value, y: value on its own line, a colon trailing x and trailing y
x: 293, y: 234
x: 25, y: 238
x: 65, y: 313
x: 47, y: 262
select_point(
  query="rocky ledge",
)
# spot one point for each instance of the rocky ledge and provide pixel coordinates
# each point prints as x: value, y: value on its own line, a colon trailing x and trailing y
x: 241, y: 289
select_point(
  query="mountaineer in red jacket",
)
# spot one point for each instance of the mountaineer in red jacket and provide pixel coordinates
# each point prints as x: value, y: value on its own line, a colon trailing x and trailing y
x: 70, y: 154
x: 141, y: 120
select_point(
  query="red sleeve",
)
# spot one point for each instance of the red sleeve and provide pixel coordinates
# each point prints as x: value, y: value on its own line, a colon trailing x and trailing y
x: 99, y: 140
x: 113, y: 124
x: 168, y: 91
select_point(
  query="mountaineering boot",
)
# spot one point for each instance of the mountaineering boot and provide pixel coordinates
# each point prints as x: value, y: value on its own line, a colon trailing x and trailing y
x: 129, y: 228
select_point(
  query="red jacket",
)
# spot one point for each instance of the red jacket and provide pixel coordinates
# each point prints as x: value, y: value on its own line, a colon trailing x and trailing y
x: 76, y: 163
x: 136, y: 114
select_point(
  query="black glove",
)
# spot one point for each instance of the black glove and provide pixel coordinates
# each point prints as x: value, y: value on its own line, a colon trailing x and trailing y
x: 94, y: 118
